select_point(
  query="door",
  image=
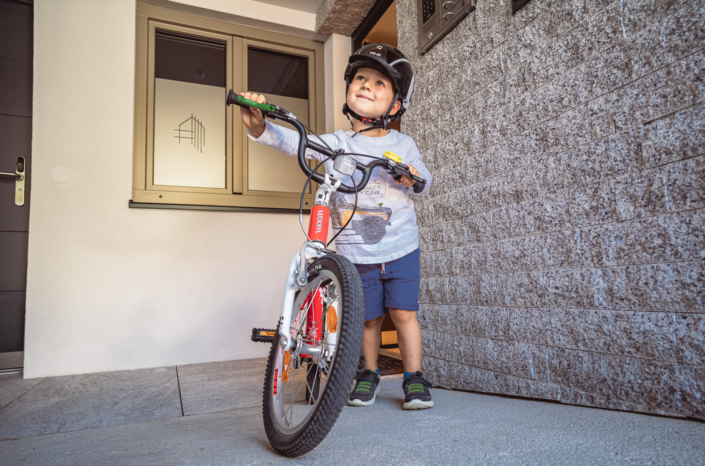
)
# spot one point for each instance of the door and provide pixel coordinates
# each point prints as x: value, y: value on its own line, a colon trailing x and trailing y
x: 16, y: 30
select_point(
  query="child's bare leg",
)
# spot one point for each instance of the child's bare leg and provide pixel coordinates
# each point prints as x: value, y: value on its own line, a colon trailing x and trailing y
x: 371, y: 339
x: 409, y: 338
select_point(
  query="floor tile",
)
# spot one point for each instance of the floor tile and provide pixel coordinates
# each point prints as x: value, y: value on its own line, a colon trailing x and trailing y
x: 219, y: 386
x: 12, y: 386
x: 392, y: 382
x: 73, y: 402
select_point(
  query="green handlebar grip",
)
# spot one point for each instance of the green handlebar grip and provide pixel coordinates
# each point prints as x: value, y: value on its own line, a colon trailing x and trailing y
x: 251, y: 103
x: 243, y: 102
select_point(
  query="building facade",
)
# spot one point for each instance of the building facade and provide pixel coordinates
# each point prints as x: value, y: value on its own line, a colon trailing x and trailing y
x: 564, y: 236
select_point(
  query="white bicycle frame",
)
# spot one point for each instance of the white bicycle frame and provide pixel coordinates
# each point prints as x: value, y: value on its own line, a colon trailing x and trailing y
x: 297, y: 275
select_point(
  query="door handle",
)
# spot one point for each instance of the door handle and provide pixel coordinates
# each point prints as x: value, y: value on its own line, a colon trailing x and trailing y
x: 19, y: 176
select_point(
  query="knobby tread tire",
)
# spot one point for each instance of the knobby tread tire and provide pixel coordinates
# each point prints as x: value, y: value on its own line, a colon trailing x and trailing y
x: 335, y: 393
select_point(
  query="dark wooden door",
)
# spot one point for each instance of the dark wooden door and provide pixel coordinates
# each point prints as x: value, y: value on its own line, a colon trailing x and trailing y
x: 16, y: 31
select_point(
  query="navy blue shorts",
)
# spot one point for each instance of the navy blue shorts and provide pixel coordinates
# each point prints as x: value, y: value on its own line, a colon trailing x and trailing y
x: 397, y: 286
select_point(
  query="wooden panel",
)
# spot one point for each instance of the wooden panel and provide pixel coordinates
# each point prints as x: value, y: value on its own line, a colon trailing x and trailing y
x: 15, y: 87
x: 15, y: 141
x: 12, y: 311
x: 16, y: 30
x: 13, y: 257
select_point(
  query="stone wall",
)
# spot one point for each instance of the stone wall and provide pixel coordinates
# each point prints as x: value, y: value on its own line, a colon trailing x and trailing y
x: 564, y: 236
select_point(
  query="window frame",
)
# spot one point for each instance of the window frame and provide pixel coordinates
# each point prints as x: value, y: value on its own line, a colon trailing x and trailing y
x: 311, y: 107
x: 237, y: 38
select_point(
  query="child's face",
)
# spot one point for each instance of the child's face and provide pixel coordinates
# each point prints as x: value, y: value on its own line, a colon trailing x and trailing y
x: 371, y: 93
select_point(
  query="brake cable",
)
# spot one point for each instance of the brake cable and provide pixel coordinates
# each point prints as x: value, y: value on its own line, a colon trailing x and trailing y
x: 308, y: 180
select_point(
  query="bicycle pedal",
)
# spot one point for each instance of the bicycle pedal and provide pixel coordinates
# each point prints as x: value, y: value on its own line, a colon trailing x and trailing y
x: 263, y: 335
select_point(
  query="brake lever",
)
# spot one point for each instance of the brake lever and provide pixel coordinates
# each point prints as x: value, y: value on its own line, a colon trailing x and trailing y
x: 399, y: 169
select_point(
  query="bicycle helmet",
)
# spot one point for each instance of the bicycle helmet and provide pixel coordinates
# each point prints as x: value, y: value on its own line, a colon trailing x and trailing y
x: 393, y: 64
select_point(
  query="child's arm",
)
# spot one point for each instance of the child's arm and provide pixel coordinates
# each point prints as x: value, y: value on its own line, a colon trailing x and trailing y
x: 285, y: 140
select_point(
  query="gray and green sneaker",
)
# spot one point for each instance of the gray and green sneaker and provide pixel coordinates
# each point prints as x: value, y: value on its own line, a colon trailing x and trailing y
x: 417, y: 393
x: 366, y: 388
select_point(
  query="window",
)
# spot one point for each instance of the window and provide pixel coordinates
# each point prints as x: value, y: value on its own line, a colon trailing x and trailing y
x: 191, y: 151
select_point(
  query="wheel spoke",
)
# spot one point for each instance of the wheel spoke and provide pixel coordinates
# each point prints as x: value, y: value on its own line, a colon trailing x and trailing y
x: 315, y: 379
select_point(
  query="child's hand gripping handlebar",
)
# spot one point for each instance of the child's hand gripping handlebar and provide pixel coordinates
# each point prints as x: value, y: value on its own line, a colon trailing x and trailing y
x: 398, y: 169
x: 247, y: 103
x: 401, y: 169
x: 272, y: 111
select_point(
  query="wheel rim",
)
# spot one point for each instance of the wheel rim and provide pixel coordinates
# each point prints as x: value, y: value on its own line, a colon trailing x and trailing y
x: 291, y: 406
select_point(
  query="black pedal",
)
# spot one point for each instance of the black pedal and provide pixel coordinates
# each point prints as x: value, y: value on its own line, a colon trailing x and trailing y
x: 263, y: 335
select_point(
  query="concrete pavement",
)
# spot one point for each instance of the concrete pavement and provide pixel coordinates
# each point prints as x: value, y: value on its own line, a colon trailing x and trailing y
x: 463, y: 428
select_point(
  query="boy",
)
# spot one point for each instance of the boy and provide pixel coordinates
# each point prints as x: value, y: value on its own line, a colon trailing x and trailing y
x: 384, y: 248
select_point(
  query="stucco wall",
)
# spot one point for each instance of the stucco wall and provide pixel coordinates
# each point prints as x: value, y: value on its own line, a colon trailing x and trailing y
x: 116, y: 288
x: 564, y: 236
x: 337, y: 49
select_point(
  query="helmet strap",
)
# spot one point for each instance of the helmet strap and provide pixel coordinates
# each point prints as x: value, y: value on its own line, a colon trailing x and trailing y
x: 376, y: 124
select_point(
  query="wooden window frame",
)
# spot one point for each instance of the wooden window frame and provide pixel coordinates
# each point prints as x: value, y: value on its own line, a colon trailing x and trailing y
x: 236, y: 195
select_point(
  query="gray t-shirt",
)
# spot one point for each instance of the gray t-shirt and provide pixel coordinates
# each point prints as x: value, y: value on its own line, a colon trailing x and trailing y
x: 384, y: 226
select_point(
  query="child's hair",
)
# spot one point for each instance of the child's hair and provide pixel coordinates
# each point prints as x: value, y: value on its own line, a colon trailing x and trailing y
x: 393, y: 64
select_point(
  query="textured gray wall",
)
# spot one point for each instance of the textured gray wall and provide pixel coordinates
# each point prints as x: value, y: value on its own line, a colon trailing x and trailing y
x: 564, y: 237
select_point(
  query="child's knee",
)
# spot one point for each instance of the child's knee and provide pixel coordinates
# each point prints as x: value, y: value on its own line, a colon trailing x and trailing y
x: 400, y: 316
x: 374, y: 323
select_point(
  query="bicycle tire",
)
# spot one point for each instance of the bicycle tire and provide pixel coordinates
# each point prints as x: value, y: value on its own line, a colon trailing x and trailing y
x: 333, y: 394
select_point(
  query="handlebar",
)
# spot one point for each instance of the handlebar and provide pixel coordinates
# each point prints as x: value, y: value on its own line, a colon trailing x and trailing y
x: 272, y: 111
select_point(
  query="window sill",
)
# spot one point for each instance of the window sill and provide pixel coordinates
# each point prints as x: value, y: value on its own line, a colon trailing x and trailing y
x: 266, y: 210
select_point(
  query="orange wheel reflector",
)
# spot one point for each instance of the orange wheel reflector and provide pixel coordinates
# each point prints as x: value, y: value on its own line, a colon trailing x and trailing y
x: 285, y: 369
x: 332, y: 320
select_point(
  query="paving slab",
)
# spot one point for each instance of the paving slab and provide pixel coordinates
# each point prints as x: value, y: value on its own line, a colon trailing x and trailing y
x: 463, y: 428
x: 74, y: 402
x: 13, y: 386
x: 220, y: 386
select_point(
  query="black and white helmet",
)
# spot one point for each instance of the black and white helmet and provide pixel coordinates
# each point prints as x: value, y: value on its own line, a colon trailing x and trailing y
x: 393, y: 64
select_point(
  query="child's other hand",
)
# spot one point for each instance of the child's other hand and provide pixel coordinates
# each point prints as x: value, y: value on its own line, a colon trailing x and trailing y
x: 252, y: 117
x: 405, y: 180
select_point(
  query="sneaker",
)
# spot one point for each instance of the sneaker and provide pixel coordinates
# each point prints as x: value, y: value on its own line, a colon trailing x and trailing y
x: 366, y: 388
x: 417, y: 393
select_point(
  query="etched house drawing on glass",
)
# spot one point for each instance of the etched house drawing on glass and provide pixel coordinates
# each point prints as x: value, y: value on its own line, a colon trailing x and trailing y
x: 189, y: 91
x: 196, y: 132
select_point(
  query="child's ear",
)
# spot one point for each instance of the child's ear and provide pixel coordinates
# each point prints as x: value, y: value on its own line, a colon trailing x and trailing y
x: 395, y: 109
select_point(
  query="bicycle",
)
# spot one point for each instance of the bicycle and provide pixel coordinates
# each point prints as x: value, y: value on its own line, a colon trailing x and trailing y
x: 319, y: 334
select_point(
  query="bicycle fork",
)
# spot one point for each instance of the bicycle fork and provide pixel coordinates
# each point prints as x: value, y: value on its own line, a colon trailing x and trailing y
x: 297, y: 278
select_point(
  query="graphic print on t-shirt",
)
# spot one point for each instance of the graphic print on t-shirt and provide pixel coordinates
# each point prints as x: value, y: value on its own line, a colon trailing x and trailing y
x: 368, y: 226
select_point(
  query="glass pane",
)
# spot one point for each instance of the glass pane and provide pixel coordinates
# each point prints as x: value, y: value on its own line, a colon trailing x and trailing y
x: 189, y: 59
x: 277, y: 73
x: 189, y: 115
x: 283, y: 79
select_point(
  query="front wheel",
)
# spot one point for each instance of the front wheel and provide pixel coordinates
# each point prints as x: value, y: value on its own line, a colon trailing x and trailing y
x: 306, y: 387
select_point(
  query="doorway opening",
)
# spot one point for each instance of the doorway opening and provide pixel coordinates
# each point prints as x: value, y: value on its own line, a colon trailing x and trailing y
x: 380, y: 27
x: 16, y: 58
